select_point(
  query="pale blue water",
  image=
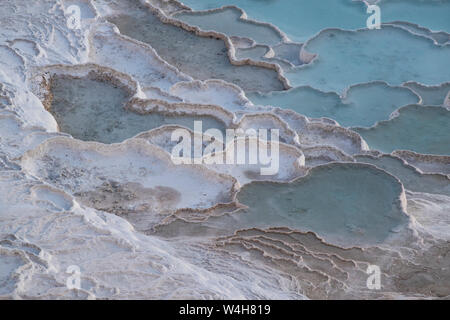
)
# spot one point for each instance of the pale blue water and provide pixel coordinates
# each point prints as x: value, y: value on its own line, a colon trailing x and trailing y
x: 301, y: 19
x: 390, y: 54
x: 411, y: 179
x: 363, y: 105
x: 345, y: 58
x: 351, y: 204
x: 417, y: 128
x: 431, y: 96
x: 358, y: 79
